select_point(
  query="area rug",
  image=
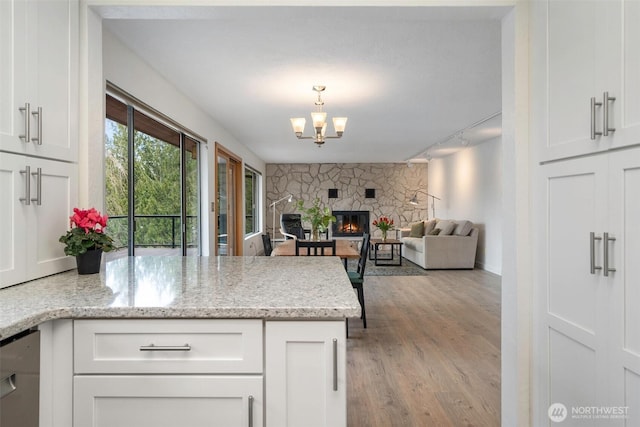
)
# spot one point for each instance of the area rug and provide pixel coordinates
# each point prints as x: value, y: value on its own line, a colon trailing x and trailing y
x: 406, y: 269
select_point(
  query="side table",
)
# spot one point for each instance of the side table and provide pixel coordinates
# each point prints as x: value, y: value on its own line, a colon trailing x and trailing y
x: 375, y: 256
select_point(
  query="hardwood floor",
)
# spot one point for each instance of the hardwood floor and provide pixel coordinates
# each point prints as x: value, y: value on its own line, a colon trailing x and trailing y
x: 430, y: 355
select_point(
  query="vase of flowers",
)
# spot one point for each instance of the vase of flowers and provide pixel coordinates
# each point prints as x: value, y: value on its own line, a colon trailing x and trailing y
x: 319, y: 217
x: 86, y: 240
x: 384, y: 224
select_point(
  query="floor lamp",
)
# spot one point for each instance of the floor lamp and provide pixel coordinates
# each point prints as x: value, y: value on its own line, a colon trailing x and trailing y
x: 414, y: 201
x: 273, y: 205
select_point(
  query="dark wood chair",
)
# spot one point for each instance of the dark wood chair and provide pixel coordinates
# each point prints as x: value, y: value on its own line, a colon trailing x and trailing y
x: 357, y: 277
x: 316, y: 245
x: 266, y: 242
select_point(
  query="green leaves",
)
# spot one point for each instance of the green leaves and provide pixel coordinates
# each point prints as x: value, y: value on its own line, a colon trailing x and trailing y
x: 319, y: 217
x: 77, y: 241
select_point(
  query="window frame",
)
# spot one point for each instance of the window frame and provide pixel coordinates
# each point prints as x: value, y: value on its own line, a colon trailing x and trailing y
x: 256, y: 180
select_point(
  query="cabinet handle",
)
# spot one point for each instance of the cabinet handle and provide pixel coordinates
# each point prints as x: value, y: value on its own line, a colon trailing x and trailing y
x: 605, y: 113
x: 8, y: 385
x: 593, y: 118
x: 38, y: 139
x: 335, y: 364
x: 27, y: 185
x: 592, y: 246
x: 605, y: 252
x: 250, y: 411
x: 38, y: 175
x: 153, y: 347
x: 26, y: 137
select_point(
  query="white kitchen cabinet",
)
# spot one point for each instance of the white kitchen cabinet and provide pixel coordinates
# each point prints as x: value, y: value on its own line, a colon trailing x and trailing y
x: 580, y: 51
x: 305, y: 364
x: 39, y: 77
x: 167, y: 401
x: 588, y: 336
x: 34, y: 214
x: 168, y: 372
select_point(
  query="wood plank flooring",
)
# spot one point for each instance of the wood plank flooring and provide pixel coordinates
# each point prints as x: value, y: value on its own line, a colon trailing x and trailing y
x: 430, y: 355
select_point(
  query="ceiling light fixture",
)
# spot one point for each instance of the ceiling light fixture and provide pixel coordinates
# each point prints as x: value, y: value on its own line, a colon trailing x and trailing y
x: 319, y: 118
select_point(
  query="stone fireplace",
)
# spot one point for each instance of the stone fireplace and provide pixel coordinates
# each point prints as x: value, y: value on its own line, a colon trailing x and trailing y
x: 350, y: 223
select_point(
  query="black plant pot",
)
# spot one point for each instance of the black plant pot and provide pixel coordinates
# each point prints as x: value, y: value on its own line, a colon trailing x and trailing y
x: 89, y: 262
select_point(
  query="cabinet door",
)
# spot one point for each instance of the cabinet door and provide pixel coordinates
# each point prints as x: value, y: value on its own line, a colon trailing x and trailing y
x: 627, y: 117
x: 13, y: 43
x: 13, y: 220
x: 29, y: 233
x: 624, y: 283
x: 167, y: 401
x: 305, y: 374
x: 49, y: 220
x: 576, y: 56
x: 571, y: 297
x: 40, y: 67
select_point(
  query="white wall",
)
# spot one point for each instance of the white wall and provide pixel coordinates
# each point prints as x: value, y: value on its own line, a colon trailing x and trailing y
x: 469, y: 183
x: 127, y: 71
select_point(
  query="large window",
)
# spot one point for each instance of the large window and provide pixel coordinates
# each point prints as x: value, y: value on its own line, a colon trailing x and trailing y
x: 152, y: 183
x: 251, y: 200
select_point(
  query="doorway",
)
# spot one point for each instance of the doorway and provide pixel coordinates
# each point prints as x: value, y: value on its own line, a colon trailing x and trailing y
x: 228, y: 211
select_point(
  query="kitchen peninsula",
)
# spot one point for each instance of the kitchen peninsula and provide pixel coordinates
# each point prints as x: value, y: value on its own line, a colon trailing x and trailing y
x: 245, y: 340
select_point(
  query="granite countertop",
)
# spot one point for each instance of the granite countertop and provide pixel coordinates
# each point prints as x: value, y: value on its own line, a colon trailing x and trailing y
x: 186, y: 287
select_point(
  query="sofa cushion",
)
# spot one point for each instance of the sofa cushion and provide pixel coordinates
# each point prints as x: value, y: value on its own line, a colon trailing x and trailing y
x: 446, y: 227
x: 434, y: 232
x: 414, y: 243
x: 429, y: 225
x: 417, y: 229
x: 463, y: 228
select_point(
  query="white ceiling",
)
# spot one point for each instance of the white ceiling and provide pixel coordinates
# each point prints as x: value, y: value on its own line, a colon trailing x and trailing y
x: 406, y: 77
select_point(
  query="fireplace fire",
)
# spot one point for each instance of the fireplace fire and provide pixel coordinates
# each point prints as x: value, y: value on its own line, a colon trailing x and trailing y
x: 350, y: 223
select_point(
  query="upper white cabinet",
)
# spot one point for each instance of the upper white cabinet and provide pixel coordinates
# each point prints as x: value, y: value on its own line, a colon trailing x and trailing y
x: 585, y: 76
x: 39, y: 77
x: 38, y: 195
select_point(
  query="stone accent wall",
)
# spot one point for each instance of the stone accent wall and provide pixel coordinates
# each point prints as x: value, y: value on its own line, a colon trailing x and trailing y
x: 394, y: 183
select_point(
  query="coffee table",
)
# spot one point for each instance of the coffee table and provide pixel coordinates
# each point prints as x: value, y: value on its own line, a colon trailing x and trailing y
x: 377, y: 257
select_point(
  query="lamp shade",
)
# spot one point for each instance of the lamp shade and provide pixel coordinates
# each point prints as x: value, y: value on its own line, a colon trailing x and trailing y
x: 319, y: 119
x: 339, y: 123
x: 297, y: 124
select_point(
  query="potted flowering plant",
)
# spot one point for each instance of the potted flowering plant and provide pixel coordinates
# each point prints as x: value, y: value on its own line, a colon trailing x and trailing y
x: 319, y: 217
x: 384, y: 224
x: 86, y: 240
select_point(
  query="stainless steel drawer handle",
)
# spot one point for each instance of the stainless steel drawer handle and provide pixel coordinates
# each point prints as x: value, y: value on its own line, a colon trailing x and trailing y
x: 605, y: 113
x: 38, y: 139
x: 8, y: 385
x: 26, y: 137
x: 250, y: 411
x: 605, y: 252
x: 592, y: 251
x: 594, y: 104
x: 38, y: 175
x: 27, y: 185
x: 335, y: 364
x: 153, y: 347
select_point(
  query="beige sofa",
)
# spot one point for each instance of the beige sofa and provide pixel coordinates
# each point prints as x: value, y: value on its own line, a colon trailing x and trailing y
x: 453, y: 247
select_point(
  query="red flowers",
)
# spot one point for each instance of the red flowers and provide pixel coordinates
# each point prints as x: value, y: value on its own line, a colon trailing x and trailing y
x: 383, y: 223
x: 89, y: 220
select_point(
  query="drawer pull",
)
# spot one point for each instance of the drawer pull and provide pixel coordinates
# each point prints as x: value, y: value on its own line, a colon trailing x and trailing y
x: 8, y: 385
x: 153, y: 347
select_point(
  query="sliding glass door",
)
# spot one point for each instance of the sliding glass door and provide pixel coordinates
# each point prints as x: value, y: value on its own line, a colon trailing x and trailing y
x: 152, y: 184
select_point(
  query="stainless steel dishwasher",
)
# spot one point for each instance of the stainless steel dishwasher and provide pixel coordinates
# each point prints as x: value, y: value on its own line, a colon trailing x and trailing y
x: 20, y: 380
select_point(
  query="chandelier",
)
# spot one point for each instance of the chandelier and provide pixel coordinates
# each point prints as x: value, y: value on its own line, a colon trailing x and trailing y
x: 319, y: 119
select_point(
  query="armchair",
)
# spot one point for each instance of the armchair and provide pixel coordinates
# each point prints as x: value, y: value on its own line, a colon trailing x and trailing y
x: 291, y: 226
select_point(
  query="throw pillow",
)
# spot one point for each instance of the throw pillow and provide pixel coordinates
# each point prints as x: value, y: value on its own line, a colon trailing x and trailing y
x: 429, y: 225
x: 463, y: 228
x: 446, y: 227
x: 434, y: 232
x: 417, y: 229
